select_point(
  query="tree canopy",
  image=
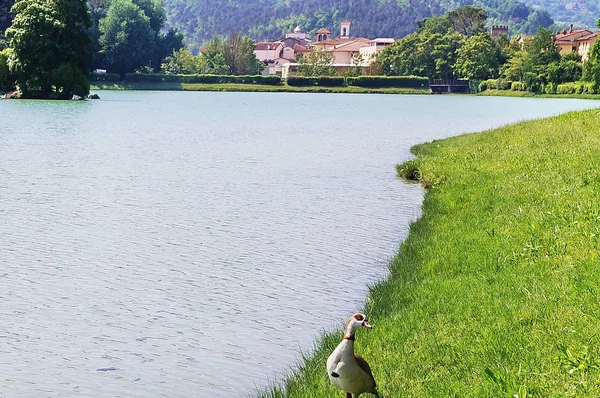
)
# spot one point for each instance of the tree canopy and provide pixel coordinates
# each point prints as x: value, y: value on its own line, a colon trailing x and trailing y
x: 50, y: 47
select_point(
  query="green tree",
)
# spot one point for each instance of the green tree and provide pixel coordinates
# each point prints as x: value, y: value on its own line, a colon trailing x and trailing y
x: 48, y: 37
x: 467, y: 20
x: 591, y: 72
x: 211, y: 60
x: 477, y: 58
x: 537, y: 63
x: 423, y: 54
x: 127, y: 39
x: 180, y: 62
x: 7, y: 80
x: 238, y: 51
x: 317, y: 63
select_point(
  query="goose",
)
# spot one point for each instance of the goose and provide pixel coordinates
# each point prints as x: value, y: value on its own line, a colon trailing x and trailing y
x: 347, y: 371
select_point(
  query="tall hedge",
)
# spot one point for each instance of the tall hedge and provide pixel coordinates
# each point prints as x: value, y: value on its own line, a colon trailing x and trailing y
x: 206, y: 79
x: 389, y: 81
x: 301, y: 81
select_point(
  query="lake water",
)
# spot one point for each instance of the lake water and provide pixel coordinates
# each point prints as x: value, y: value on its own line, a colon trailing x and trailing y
x: 173, y: 244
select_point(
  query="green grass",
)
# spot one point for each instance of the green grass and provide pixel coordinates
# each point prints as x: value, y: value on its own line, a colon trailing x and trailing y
x: 510, y: 93
x: 250, y: 88
x: 495, y: 291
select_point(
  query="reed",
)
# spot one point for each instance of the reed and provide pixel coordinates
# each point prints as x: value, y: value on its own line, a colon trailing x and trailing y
x: 494, y: 293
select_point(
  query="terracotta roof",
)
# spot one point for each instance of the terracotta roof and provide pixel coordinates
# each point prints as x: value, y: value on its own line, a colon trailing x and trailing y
x: 572, y: 36
x: 345, y: 21
x: 588, y: 37
x: 299, y: 48
x: 353, y: 46
x: 266, y: 45
x: 323, y: 31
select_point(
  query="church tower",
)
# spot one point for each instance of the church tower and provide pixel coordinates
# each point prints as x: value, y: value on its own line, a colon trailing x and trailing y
x: 345, y: 29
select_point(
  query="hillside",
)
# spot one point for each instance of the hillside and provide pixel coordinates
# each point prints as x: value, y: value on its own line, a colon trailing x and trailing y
x: 199, y: 20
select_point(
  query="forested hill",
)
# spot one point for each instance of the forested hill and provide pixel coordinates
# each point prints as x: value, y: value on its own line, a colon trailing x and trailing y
x: 199, y: 20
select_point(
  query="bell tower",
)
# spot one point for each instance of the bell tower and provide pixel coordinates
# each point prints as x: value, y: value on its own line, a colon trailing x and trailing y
x: 345, y: 29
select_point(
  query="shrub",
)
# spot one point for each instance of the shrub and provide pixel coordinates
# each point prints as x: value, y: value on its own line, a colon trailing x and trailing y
x: 550, y: 88
x: 330, y: 81
x: 578, y: 88
x: 205, y: 79
x: 301, y: 81
x: 492, y: 84
x: 389, y: 81
x: 7, y: 79
x: 516, y: 86
x: 567, y: 88
x: 502, y: 84
x: 483, y: 86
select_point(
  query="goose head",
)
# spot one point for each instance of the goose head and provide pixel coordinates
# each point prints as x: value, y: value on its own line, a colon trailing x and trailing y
x: 356, y: 321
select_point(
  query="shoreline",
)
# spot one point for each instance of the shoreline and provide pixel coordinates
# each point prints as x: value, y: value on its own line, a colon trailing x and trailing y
x: 284, y: 88
x: 237, y: 87
x: 494, y: 290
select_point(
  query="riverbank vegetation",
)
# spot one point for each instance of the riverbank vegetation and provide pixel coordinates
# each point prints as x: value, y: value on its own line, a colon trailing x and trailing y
x: 494, y: 293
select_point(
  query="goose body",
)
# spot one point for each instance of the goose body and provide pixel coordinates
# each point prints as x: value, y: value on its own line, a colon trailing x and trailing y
x: 347, y: 371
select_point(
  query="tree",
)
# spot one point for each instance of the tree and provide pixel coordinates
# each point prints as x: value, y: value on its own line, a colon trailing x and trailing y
x: 180, y: 62
x: 238, y: 51
x: 212, y: 61
x: 591, y: 72
x: 467, y: 20
x: 48, y: 37
x: 426, y: 54
x: 7, y: 81
x: 477, y: 58
x: 127, y: 40
x: 537, y: 63
x: 317, y: 63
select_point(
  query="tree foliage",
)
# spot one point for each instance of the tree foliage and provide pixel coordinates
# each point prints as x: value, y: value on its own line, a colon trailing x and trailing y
x: 127, y: 39
x: 317, y: 63
x: 47, y: 38
x: 477, y: 58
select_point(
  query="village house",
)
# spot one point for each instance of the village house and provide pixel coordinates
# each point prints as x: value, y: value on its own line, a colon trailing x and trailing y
x: 281, y: 56
x: 567, y: 40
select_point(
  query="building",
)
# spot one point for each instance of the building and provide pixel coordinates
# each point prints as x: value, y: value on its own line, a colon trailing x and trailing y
x: 567, y: 40
x: 585, y: 43
x: 499, y: 30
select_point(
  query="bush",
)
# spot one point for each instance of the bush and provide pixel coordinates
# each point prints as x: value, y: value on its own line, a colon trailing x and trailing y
x: 550, y: 88
x: 502, y: 84
x: 516, y: 86
x: 389, y: 81
x: 578, y: 88
x: 588, y: 88
x: 104, y: 77
x: 568, y: 88
x: 204, y: 79
x: 483, y: 86
x: 492, y: 84
x: 301, y: 81
x: 330, y: 81
x: 7, y: 79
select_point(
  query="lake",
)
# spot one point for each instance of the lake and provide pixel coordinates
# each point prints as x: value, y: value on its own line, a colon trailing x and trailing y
x: 192, y: 244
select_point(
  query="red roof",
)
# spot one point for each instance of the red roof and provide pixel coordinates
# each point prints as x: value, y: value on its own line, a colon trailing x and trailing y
x: 323, y: 31
x: 570, y: 37
x: 266, y: 45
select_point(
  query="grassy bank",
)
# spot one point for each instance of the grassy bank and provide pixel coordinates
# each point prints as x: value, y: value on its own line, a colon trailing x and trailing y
x: 495, y: 292
x: 510, y: 93
x: 249, y: 88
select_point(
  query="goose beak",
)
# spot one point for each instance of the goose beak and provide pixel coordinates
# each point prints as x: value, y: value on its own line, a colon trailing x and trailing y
x: 367, y: 325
